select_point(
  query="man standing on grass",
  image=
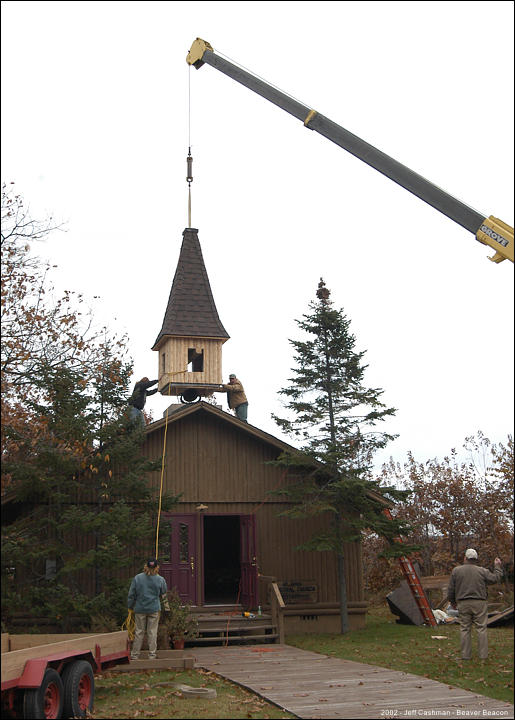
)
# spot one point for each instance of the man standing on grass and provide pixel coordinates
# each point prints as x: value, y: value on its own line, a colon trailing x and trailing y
x: 468, y: 592
x: 145, y: 594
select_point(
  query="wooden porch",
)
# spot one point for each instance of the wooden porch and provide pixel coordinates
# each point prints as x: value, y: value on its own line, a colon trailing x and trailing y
x: 228, y: 624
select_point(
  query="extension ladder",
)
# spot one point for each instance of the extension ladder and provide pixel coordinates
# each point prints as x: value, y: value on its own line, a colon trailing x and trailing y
x: 414, y: 584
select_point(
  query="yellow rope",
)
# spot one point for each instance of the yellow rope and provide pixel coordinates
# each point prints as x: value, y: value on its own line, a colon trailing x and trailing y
x: 130, y: 624
x: 162, y: 476
x: 178, y: 372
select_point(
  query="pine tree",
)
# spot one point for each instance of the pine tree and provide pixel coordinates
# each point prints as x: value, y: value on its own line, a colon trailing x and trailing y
x: 334, y: 415
x: 83, y: 497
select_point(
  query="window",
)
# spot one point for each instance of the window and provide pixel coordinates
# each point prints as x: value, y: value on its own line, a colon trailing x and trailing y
x: 50, y: 569
x: 195, y: 360
x: 163, y: 362
x: 183, y: 543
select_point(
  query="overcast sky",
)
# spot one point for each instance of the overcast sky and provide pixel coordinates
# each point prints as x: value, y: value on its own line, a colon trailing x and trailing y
x: 95, y: 132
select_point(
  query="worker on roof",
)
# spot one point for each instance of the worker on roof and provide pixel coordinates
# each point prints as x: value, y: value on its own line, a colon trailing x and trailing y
x: 138, y: 398
x: 468, y: 592
x: 236, y: 398
x: 147, y: 590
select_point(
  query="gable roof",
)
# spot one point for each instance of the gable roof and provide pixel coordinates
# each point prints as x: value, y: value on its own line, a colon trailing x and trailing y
x: 191, y: 309
x: 178, y: 412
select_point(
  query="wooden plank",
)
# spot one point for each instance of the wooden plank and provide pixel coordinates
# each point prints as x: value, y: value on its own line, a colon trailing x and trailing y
x: 159, y: 664
x: 311, y: 685
x: 21, y: 642
x: 5, y: 642
x: 14, y: 661
x: 434, y: 582
x: 231, y: 638
x: 500, y: 617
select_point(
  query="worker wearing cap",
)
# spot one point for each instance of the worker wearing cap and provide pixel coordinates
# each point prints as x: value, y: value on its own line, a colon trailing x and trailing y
x: 145, y: 594
x: 468, y: 592
x: 236, y: 397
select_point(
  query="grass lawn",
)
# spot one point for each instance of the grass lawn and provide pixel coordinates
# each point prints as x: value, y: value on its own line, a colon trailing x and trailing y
x: 383, y: 642
x: 412, y: 649
x: 149, y: 694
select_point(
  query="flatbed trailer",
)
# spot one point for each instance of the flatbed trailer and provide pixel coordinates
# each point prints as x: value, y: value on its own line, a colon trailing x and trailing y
x: 52, y: 676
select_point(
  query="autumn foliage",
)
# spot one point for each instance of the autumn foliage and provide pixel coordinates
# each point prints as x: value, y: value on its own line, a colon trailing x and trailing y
x: 41, y: 331
x: 454, y: 504
x: 76, y: 501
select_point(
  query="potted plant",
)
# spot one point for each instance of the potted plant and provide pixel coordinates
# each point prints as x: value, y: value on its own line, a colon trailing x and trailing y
x: 179, y: 622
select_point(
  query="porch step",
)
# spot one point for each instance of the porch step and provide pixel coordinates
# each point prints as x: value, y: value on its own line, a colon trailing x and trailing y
x: 222, y: 639
x: 231, y: 627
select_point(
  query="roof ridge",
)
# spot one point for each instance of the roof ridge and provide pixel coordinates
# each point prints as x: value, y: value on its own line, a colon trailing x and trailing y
x: 189, y: 408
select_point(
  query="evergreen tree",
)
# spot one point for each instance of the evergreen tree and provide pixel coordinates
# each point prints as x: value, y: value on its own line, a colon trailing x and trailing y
x: 84, y: 503
x: 335, y: 416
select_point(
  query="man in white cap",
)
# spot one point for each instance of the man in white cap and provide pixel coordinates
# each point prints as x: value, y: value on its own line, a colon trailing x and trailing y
x: 468, y: 592
x: 236, y: 398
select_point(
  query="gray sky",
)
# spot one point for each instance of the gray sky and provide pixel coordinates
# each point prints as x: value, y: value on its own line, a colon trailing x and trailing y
x: 95, y: 132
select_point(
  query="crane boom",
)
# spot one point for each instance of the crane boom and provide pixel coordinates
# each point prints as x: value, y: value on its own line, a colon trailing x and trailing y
x: 488, y: 230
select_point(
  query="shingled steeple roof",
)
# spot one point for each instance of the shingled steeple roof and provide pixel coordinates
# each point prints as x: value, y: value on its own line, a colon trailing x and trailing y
x: 191, y: 309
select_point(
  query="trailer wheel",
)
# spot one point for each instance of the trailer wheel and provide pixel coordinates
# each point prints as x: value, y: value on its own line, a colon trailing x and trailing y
x: 79, y: 689
x: 46, y: 701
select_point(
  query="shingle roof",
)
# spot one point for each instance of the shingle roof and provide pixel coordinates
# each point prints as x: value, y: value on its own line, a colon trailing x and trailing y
x: 191, y: 309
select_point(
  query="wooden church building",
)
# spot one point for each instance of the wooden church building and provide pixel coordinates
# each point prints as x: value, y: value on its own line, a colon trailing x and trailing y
x: 226, y: 541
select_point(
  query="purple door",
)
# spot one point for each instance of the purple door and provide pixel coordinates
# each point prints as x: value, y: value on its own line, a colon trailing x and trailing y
x: 248, y: 562
x: 181, y: 570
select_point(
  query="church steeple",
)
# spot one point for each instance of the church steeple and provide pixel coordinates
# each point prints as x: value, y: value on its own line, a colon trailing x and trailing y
x: 191, y: 338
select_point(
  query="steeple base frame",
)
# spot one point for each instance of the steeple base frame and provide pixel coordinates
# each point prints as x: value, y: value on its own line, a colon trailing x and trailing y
x: 175, y: 388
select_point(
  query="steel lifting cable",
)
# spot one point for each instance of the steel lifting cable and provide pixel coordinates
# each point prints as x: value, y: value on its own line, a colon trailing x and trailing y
x: 189, y: 180
x: 130, y: 624
x: 189, y: 159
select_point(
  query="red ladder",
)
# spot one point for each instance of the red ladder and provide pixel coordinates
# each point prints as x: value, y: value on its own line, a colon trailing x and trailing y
x: 414, y: 584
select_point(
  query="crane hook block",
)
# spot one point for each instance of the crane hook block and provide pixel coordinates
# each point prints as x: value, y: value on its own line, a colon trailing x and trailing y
x: 197, y: 50
x: 189, y: 162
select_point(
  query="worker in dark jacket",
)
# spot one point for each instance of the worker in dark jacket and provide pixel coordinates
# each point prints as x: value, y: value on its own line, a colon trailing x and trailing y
x: 138, y: 398
x: 145, y: 594
x: 468, y: 592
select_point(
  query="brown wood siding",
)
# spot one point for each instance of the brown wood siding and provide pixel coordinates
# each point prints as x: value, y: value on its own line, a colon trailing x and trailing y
x: 175, y: 351
x: 207, y: 461
x: 211, y: 462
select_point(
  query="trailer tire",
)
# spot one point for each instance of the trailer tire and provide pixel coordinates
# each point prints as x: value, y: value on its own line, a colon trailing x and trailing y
x: 46, y: 701
x: 79, y: 689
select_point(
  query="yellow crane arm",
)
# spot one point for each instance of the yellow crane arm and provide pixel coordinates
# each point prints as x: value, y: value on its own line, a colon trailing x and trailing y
x: 487, y: 230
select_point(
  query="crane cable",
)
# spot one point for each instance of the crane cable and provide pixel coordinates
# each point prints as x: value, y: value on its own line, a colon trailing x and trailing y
x: 189, y: 159
x: 130, y: 623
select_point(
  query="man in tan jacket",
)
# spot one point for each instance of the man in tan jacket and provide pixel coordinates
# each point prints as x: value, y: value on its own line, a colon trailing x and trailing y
x: 468, y: 592
x: 236, y: 397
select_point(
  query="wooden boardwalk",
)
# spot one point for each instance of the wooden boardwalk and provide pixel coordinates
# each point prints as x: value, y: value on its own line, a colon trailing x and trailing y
x: 310, y: 685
